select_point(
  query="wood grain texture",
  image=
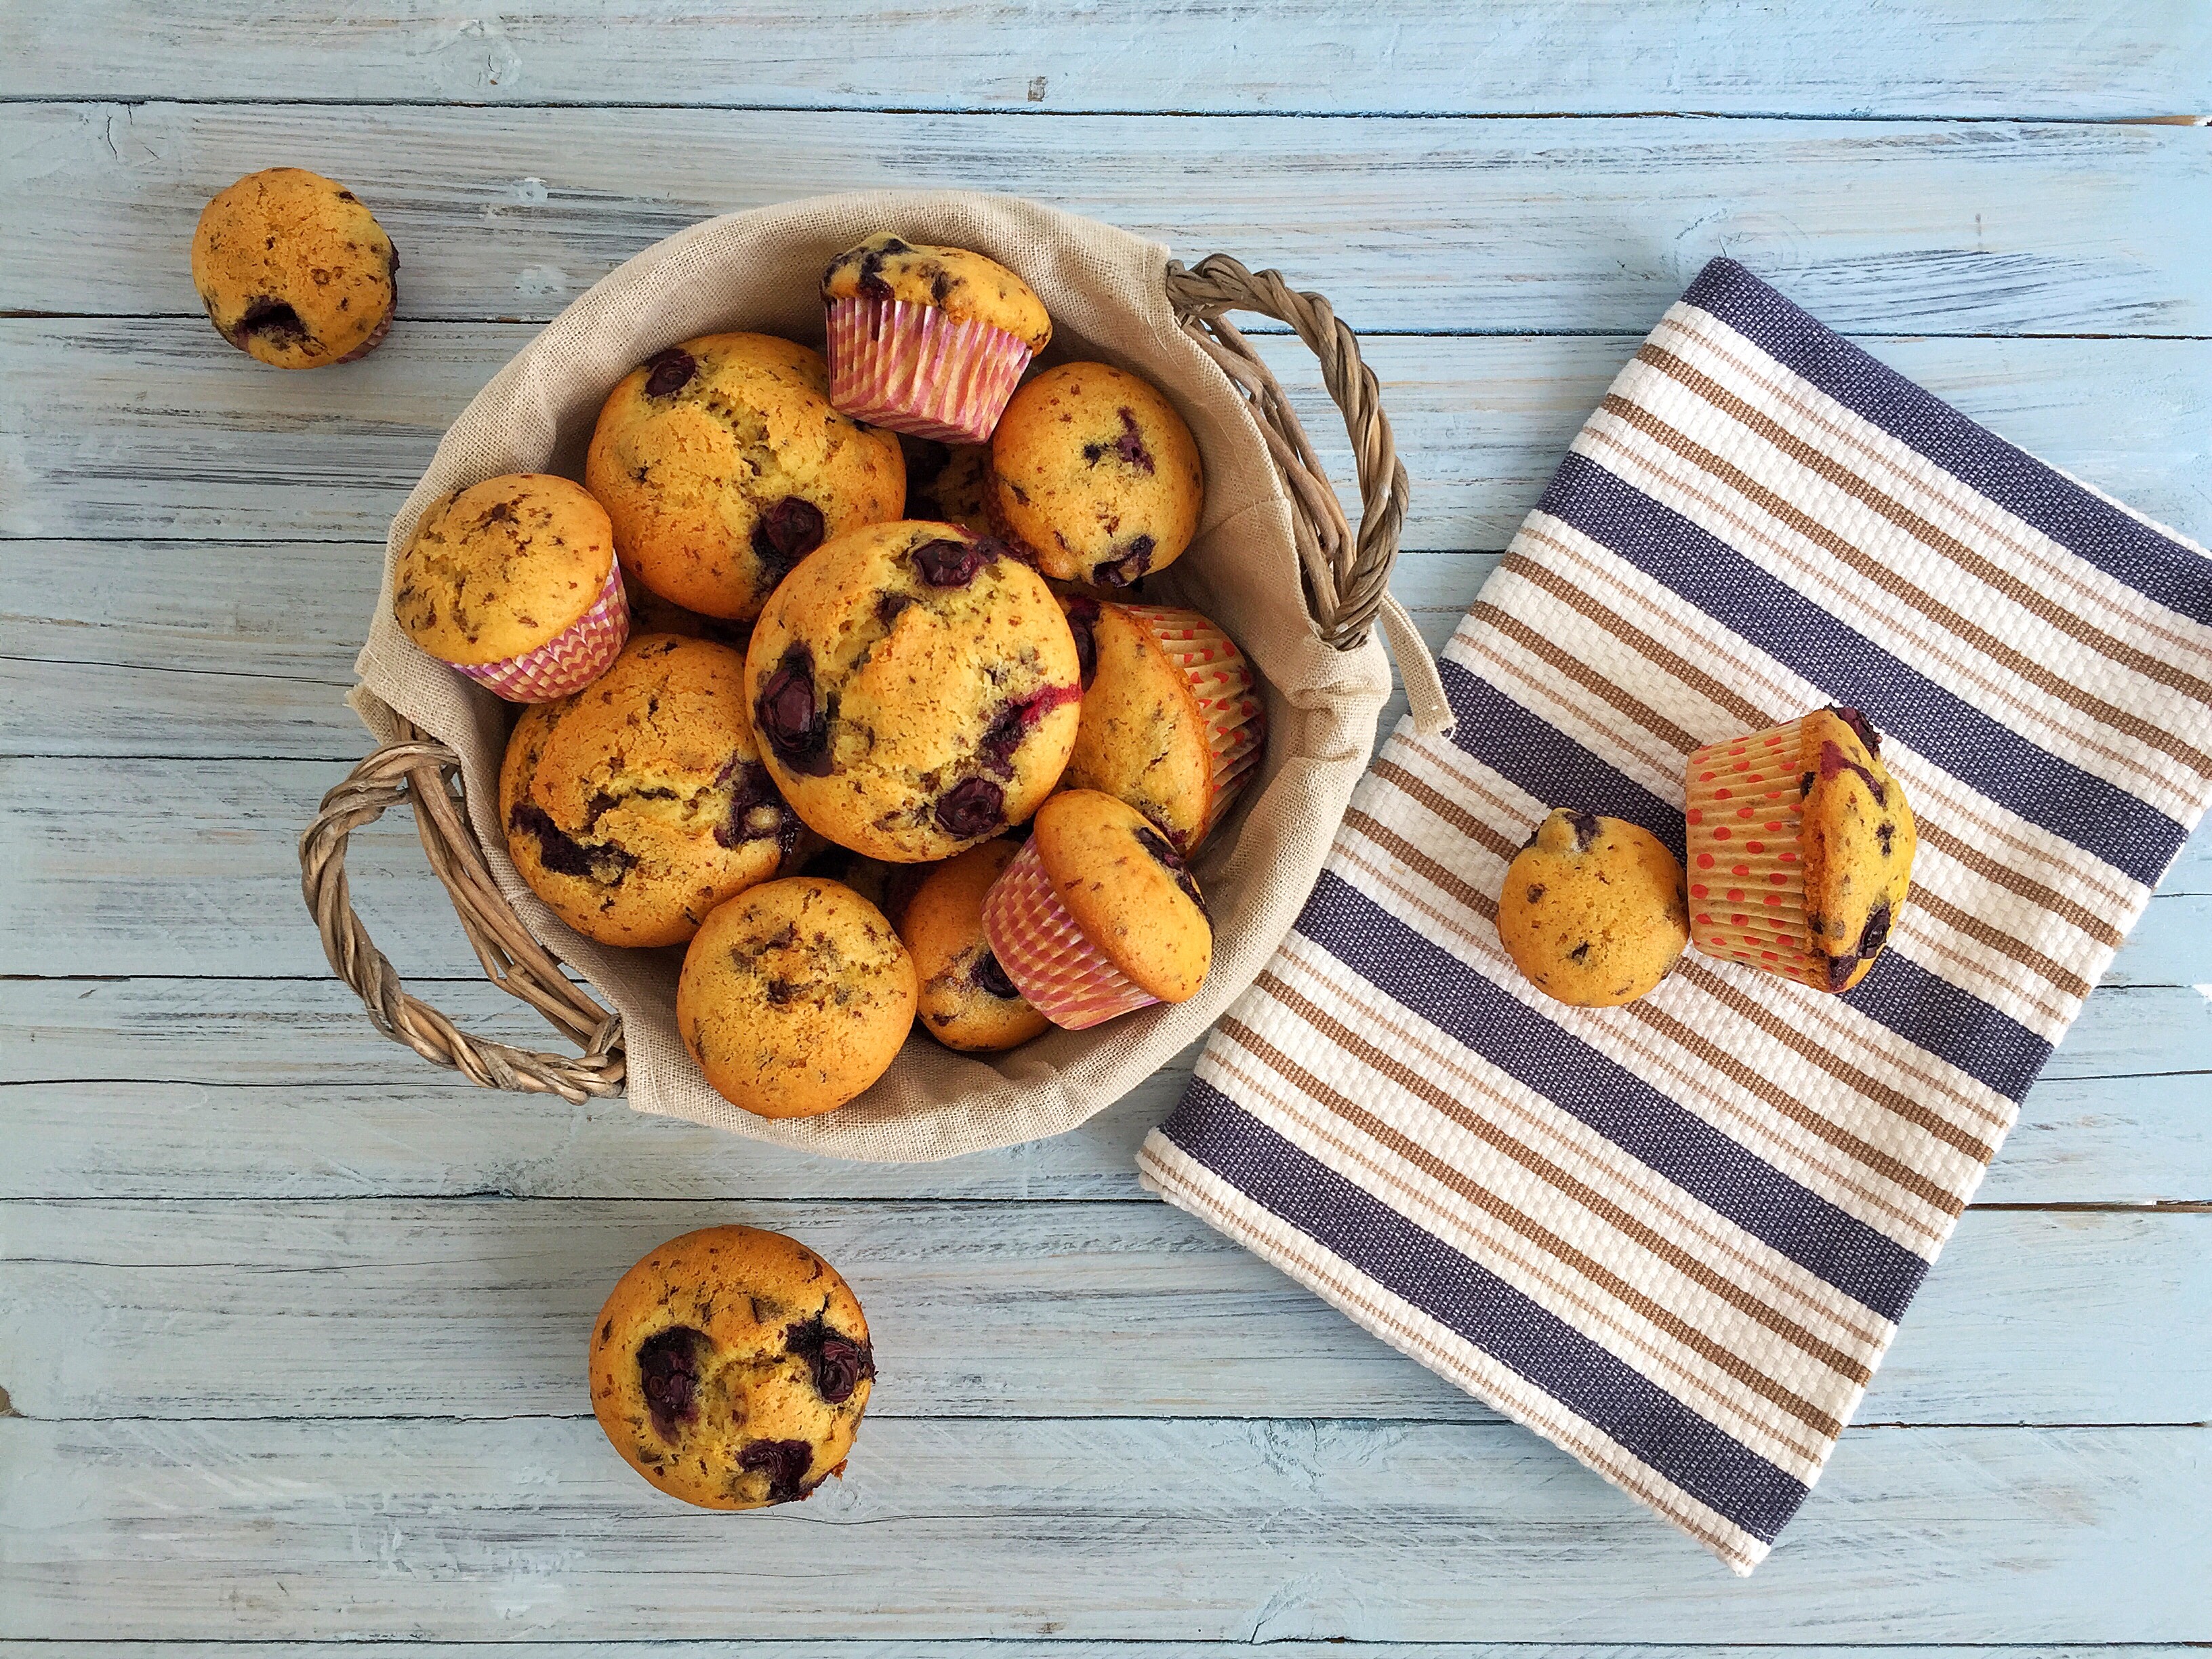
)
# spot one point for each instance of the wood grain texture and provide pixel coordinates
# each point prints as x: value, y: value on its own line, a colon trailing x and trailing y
x: 177, y: 1309
x: 1322, y: 1648
x: 1513, y: 226
x: 1206, y: 1528
x: 1945, y: 58
x: 154, y: 429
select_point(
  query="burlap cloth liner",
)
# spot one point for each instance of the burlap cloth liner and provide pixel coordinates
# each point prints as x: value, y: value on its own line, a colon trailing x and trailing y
x: 1106, y: 291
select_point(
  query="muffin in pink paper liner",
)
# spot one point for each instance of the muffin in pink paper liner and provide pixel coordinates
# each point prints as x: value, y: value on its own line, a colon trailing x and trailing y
x: 1172, y: 720
x: 1801, y: 845
x: 1096, y: 915
x: 514, y: 582
x: 928, y: 341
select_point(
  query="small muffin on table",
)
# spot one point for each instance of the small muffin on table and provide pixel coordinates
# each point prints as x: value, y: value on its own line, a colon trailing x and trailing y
x: 722, y: 466
x: 1097, y: 915
x: 915, y: 687
x: 294, y: 270
x: 637, y: 806
x: 967, y: 1001
x: 1592, y: 910
x: 1800, y: 844
x: 514, y: 582
x: 1172, y: 721
x: 1096, y: 477
x: 926, y: 340
x: 795, y: 996
x: 730, y: 1368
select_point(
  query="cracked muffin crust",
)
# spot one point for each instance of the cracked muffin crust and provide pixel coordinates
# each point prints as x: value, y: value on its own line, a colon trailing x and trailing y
x: 294, y: 270
x: 722, y: 466
x: 1593, y: 909
x: 635, y: 806
x: 730, y: 1367
x: 915, y: 689
x: 503, y: 568
x: 1096, y: 475
x: 794, y: 997
x: 967, y: 1001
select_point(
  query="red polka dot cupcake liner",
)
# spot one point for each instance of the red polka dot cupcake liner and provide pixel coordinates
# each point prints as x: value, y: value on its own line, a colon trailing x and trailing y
x: 1052, y: 962
x: 1746, y: 866
x: 1227, y: 692
x: 571, y: 659
x: 913, y: 369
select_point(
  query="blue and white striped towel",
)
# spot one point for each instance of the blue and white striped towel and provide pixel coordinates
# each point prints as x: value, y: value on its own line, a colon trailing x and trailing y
x: 1675, y: 1238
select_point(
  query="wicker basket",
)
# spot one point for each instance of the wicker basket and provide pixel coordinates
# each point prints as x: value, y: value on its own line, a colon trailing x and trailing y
x: 1257, y: 869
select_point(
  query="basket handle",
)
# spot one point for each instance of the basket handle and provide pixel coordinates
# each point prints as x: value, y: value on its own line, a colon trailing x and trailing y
x: 419, y: 770
x: 1347, y: 578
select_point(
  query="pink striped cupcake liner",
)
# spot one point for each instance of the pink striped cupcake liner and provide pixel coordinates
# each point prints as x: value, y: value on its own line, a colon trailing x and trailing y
x: 1057, y: 970
x: 571, y: 659
x: 1228, y: 696
x: 914, y: 370
x: 1746, y: 871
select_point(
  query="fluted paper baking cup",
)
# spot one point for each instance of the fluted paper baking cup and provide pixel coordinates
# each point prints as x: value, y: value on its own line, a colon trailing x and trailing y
x: 1228, y: 697
x: 1744, y: 813
x: 1056, y: 966
x: 571, y: 659
x: 914, y: 370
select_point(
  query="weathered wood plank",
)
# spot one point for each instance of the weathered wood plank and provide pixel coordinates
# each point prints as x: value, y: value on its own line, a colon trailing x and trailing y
x: 1939, y: 57
x: 1323, y: 1648
x: 1506, y: 225
x: 156, y: 429
x: 482, y: 1308
x: 271, y: 1089
x: 1212, y: 1530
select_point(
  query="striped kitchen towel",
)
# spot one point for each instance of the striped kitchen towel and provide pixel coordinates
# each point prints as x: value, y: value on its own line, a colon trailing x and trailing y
x: 1676, y: 1237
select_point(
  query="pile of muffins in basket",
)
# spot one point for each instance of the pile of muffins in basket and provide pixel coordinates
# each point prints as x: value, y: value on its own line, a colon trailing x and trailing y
x: 836, y: 678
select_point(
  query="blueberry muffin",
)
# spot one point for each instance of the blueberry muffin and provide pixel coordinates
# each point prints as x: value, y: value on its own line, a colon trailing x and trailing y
x: 1096, y: 475
x: 929, y: 341
x: 1097, y: 915
x: 1801, y: 845
x: 722, y: 464
x: 949, y: 483
x: 965, y: 285
x: 916, y: 689
x: 1592, y: 910
x: 650, y: 614
x: 514, y: 581
x: 294, y: 270
x: 637, y: 806
x: 794, y: 997
x: 730, y: 1368
x: 1859, y: 840
x: 1171, y: 720
x: 967, y: 1001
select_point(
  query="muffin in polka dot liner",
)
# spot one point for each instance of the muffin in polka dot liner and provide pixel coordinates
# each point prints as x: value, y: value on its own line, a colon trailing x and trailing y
x: 1800, y: 844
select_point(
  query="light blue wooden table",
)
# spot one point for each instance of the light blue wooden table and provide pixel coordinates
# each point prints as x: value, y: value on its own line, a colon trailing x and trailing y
x: 292, y: 1324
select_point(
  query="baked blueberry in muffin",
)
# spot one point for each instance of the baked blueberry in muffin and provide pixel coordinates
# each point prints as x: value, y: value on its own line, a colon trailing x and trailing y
x: 916, y: 689
x: 730, y: 1367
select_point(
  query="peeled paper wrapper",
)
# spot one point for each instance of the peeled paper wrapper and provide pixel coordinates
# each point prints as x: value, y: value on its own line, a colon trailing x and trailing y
x: 917, y: 370
x: 1058, y: 970
x: 571, y: 659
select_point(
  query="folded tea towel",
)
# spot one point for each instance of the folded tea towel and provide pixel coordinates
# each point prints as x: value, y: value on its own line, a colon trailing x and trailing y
x: 1676, y: 1237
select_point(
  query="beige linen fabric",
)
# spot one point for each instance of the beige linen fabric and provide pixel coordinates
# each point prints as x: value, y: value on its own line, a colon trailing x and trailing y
x: 1105, y: 289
